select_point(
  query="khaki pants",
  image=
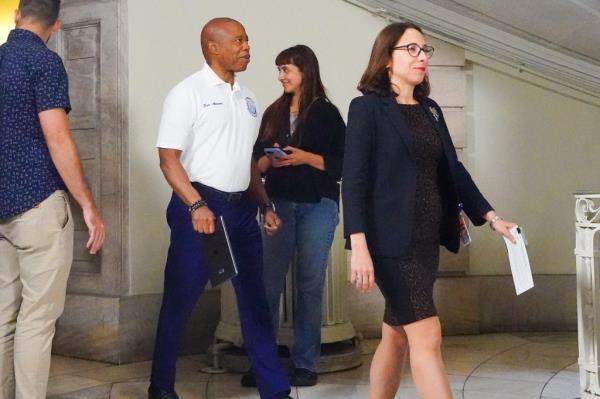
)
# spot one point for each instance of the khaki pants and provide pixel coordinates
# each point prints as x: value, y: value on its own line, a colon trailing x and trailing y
x: 36, y: 252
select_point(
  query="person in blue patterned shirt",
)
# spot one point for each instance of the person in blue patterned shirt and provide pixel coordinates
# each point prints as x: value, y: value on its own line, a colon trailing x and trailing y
x: 40, y: 163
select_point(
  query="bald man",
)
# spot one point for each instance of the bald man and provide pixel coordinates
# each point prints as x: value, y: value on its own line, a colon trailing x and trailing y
x: 208, y: 128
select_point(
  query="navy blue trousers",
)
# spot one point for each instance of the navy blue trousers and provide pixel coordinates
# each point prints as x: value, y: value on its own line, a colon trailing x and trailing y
x: 186, y: 276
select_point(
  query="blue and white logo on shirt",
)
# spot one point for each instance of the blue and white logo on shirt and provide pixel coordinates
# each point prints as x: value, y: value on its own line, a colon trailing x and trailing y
x: 251, y: 106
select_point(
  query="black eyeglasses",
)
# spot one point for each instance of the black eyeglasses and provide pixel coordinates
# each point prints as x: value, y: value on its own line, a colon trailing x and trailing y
x: 414, y: 49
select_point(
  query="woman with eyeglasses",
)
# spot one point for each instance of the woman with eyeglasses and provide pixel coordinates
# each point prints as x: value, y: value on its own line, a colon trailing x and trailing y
x: 402, y: 189
x: 300, y: 151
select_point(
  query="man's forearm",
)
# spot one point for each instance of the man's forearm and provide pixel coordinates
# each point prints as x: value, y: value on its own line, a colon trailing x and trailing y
x: 257, y: 188
x: 180, y: 183
x: 176, y: 176
x: 55, y: 126
x: 66, y: 159
x: 64, y: 154
x: 263, y: 164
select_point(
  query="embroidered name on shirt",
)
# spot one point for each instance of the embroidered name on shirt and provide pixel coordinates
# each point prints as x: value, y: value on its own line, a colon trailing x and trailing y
x: 210, y: 105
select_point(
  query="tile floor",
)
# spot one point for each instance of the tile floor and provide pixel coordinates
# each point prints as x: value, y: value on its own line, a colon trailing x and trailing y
x: 492, y: 366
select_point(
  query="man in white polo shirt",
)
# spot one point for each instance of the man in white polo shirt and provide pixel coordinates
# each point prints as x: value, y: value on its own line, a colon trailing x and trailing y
x: 207, y: 132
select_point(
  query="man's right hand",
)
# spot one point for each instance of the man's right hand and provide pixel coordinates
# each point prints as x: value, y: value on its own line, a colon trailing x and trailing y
x: 203, y: 220
x: 96, y: 229
x: 272, y: 223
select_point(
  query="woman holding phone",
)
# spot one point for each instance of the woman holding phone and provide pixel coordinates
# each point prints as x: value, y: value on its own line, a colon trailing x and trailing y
x: 303, y: 134
x: 403, y: 191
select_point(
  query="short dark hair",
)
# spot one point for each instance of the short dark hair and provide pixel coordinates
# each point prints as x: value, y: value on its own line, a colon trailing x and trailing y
x: 42, y: 11
x: 375, y: 79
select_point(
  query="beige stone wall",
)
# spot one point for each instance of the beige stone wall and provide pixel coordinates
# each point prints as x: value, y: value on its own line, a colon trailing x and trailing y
x: 531, y: 146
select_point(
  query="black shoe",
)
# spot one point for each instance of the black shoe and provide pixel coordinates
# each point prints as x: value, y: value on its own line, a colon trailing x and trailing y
x: 248, y: 379
x: 303, y: 378
x: 155, y: 393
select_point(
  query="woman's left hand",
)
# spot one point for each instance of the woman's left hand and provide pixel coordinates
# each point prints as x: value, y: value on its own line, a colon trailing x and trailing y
x: 503, y: 227
x: 295, y: 157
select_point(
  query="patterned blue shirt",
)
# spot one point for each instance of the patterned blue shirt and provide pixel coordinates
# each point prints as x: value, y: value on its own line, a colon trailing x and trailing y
x: 32, y: 79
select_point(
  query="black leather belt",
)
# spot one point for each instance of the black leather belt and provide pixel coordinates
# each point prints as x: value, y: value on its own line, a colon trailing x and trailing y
x: 213, y: 193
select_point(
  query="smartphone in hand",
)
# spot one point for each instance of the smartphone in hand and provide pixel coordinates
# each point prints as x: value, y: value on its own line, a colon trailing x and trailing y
x: 275, y: 151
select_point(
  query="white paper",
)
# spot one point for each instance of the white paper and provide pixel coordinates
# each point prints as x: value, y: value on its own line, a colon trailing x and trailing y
x: 519, y: 261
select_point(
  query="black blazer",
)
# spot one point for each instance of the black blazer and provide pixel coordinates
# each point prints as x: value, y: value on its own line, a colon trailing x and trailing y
x: 379, y: 178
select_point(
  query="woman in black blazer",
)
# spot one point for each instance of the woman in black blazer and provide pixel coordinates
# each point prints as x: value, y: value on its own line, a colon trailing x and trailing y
x: 403, y: 189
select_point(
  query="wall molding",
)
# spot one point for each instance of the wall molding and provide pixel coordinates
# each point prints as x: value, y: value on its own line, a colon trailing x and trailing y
x: 532, y: 78
x: 488, y: 41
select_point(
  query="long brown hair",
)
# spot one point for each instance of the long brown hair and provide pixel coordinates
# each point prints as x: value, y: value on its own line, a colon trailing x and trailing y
x: 278, y: 114
x: 376, y: 79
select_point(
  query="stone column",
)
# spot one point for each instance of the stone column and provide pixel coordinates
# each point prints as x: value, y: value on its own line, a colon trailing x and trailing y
x: 587, y: 252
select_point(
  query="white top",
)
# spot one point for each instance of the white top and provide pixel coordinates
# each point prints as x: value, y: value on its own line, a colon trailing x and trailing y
x: 215, y: 126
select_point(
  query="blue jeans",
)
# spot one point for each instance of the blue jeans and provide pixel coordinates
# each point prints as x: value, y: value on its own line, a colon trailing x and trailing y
x: 307, y: 232
x: 186, y: 276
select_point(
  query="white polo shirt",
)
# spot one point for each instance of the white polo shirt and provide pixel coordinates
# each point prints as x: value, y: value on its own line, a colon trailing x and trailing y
x: 215, y: 126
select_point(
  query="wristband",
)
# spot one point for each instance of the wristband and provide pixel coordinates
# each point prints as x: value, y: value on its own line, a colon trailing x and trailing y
x: 263, y: 207
x: 198, y: 204
x: 493, y: 221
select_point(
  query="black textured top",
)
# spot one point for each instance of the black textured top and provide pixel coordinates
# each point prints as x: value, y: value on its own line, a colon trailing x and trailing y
x: 428, y: 154
x: 323, y: 133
